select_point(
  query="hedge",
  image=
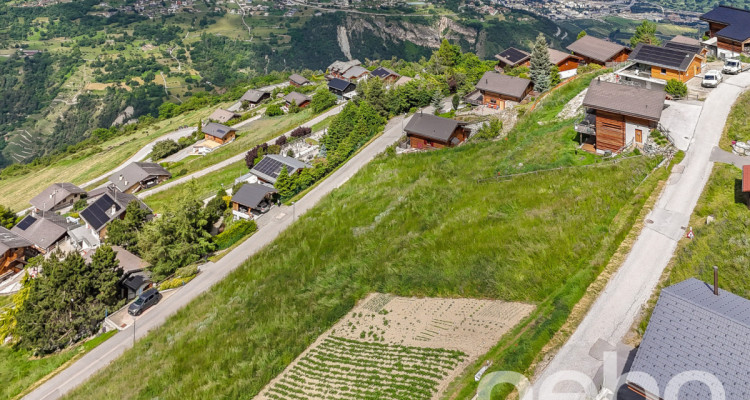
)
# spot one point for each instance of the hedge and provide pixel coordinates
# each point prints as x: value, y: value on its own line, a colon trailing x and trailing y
x: 234, y: 233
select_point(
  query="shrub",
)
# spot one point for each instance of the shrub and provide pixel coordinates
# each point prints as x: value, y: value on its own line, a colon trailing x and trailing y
x: 281, y: 140
x: 273, y: 149
x: 274, y: 110
x: 186, y: 271
x: 175, y: 282
x: 489, y: 130
x: 164, y: 148
x: 79, y: 205
x: 676, y: 88
x: 234, y: 233
x: 301, y: 131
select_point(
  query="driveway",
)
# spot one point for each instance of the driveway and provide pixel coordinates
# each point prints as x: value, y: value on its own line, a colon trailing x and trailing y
x: 613, y: 313
x: 212, y: 273
x: 680, y: 119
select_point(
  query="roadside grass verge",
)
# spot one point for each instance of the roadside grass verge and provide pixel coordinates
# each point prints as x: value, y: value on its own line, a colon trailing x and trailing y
x: 737, y: 127
x: 20, y: 372
x: 411, y: 225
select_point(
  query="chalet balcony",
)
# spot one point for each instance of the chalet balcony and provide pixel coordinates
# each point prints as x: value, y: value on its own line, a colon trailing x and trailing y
x: 587, y: 125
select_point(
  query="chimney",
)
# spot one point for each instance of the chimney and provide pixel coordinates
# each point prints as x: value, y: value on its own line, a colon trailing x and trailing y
x: 120, y: 176
x: 113, y: 210
x: 716, y: 280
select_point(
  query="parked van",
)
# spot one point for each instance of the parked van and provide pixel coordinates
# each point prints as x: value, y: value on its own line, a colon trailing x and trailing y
x: 732, y: 66
x: 711, y: 79
x: 144, y: 301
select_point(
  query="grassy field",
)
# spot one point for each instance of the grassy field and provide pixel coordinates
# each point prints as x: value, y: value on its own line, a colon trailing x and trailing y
x: 413, y: 225
x: 737, y: 127
x: 19, y: 371
x: 623, y: 28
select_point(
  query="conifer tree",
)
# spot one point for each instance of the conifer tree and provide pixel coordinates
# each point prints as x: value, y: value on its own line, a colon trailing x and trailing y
x: 540, y: 67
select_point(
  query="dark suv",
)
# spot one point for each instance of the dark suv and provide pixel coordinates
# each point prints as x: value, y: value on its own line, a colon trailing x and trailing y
x: 144, y: 301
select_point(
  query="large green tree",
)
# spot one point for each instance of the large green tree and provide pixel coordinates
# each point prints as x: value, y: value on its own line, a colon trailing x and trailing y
x: 322, y: 99
x: 8, y: 218
x: 68, y: 300
x: 124, y: 232
x: 645, y: 33
x: 540, y: 65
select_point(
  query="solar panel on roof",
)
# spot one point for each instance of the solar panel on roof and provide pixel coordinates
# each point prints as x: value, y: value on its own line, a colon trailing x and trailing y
x: 96, y: 214
x: 269, y: 167
x: 26, y: 222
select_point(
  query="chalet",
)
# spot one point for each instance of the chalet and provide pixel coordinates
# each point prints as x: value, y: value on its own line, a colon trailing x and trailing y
x: 138, y: 176
x: 385, y: 74
x: 132, y: 281
x: 356, y: 74
x: 252, y: 199
x: 593, y: 50
x: 340, y: 87
x: 268, y: 169
x: 660, y: 64
x: 297, y: 98
x: 618, y: 116
x: 512, y: 57
x: 57, y: 196
x: 298, y: 80
x: 338, y: 68
x: 699, y: 333
x: 497, y: 90
x: 14, y: 251
x: 222, y: 116
x: 45, y: 233
x: 431, y: 131
x: 731, y: 28
x: 746, y: 184
x: 402, y: 81
x: 219, y: 133
x: 110, y: 206
x: 566, y: 63
x: 254, y: 97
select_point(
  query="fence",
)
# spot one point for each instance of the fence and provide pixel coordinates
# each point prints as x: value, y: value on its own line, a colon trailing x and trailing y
x: 598, y: 164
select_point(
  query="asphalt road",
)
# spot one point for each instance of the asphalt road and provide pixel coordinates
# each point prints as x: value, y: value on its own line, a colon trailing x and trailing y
x: 212, y: 273
x: 614, y: 312
x: 231, y: 160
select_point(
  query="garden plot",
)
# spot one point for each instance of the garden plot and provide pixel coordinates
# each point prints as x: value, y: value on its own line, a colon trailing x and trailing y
x: 392, y: 347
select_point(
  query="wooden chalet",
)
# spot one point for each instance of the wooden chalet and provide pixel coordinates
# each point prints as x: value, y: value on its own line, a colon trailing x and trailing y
x: 340, y: 87
x: 298, y: 80
x: 57, y: 196
x: 111, y: 205
x: 222, y: 116
x: 269, y: 167
x: 566, y: 63
x: 511, y: 57
x: 337, y: 69
x: 138, y: 176
x: 674, y: 61
x: 496, y: 90
x: 618, y: 116
x: 253, y: 199
x: 431, y: 131
x: 731, y: 28
x: 46, y: 232
x: 386, y: 75
x: 14, y: 251
x: 297, y: 98
x: 254, y: 97
x: 219, y: 133
x: 593, y: 50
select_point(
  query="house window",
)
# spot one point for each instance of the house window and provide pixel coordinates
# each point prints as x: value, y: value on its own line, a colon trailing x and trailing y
x: 663, y: 71
x: 493, y: 101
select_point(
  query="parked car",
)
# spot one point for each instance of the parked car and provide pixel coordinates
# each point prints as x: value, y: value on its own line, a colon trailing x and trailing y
x: 712, y: 79
x: 144, y: 301
x: 732, y: 66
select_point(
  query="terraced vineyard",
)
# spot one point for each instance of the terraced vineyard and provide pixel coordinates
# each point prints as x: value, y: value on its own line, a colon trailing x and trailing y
x: 342, y: 368
x: 392, y: 347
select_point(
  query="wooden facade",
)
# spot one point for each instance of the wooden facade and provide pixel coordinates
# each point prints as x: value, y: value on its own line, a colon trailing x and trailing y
x: 12, y: 261
x: 568, y: 64
x: 227, y: 138
x: 496, y: 100
x: 421, y: 142
x: 693, y: 70
x: 610, y: 131
x: 722, y: 43
x: 622, y: 56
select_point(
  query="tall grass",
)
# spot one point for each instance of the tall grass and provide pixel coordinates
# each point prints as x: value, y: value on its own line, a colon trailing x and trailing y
x: 416, y: 225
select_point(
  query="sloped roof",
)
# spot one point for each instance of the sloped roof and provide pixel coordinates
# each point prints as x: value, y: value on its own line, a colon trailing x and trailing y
x: 625, y: 100
x: 271, y: 165
x: 686, y: 47
x: 737, y: 19
x: 108, y: 207
x: 54, y: 194
x: 135, y: 280
x: 403, y: 81
x: 557, y: 56
x: 685, y: 40
x: 432, y: 127
x: 297, y: 97
x: 221, y: 116
x: 513, y: 56
x: 136, y: 172
x: 596, y: 49
x: 339, y: 84
x: 10, y: 240
x: 298, y: 79
x: 217, y: 130
x: 343, y: 66
x: 355, y: 72
x: 43, y: 231
x: 664, y: 57
x: 252, y: 194
x: 503, y: 84
x: 382, y: 72
x: 129, y: 262
x: 253, y: 96
x: 691, y: 329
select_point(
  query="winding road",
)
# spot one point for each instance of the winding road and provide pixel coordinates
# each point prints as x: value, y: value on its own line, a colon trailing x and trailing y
x: 275, y: 222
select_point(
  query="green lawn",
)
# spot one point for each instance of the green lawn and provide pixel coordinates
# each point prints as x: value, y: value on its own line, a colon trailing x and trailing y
x: 737, y: 127
x: 622, y: 28
x: 413, y: 225
x: 19, y: 370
